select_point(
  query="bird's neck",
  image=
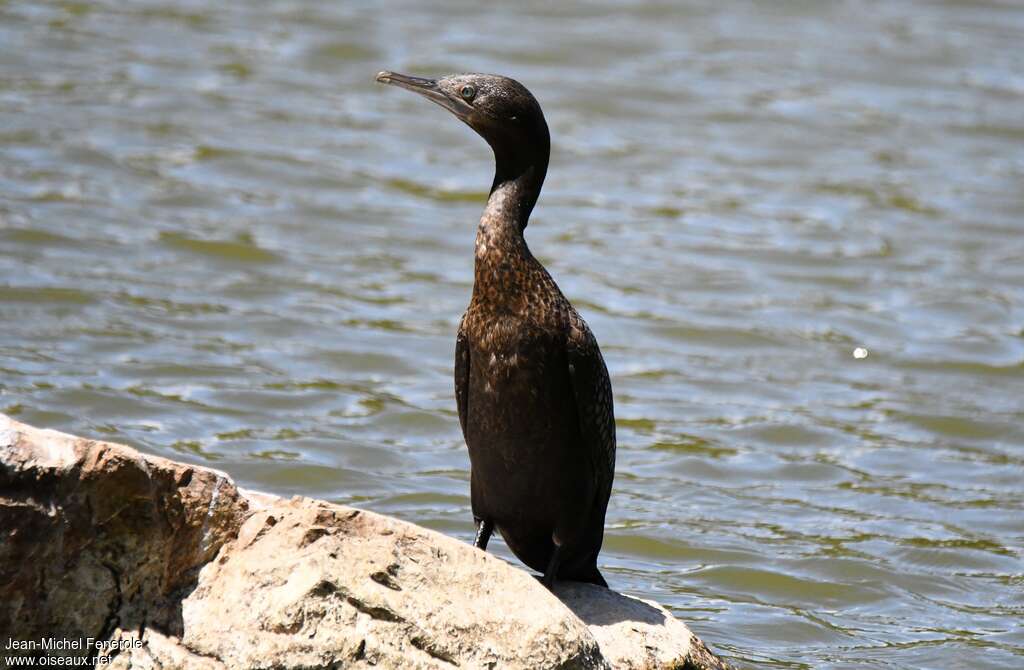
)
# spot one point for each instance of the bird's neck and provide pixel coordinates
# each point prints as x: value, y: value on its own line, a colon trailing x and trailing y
x: 501, y: 251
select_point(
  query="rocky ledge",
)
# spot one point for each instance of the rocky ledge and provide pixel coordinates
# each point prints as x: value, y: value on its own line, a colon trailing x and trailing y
x: 176, y: 567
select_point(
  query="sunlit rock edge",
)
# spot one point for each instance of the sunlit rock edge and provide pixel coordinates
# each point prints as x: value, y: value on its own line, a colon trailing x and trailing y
x: 189, y: 571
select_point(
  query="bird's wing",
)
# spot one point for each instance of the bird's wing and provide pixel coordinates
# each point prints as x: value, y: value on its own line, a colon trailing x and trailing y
x: 462, y: 373
x: 593, y: 391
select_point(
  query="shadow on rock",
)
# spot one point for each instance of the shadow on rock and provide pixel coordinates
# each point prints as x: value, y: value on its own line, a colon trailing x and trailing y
x: 634, y: 633
x: 598, y: 606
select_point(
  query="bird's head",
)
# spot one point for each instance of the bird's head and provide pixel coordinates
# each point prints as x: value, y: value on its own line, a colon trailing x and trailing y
x: 499, y: 109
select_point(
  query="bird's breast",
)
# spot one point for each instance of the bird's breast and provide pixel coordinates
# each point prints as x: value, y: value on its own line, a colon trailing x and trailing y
x: 509, y: 354
x: 518, y: 381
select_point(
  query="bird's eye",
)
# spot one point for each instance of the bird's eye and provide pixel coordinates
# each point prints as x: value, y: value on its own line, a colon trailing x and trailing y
x: 467, y: 92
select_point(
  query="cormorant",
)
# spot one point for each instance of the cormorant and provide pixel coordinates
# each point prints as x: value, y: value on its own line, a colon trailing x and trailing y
x: 533, y: 393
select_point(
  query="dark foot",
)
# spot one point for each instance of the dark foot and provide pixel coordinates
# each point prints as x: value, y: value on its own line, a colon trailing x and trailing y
x: 484, y: 528
x: 552, y: 571
x: 595, y: 578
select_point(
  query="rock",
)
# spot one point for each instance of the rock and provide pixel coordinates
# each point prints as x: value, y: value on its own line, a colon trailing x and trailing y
x: 184, y: 570
x: 635, y: 634
x: 95, y: 536
x: 156, y: 651
x: 337, y: 583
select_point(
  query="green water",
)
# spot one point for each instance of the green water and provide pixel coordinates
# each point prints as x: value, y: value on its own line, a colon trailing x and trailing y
x: 222, y: 242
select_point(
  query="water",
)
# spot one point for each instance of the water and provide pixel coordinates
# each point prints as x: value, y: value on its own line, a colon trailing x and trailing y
x: 222, y: 242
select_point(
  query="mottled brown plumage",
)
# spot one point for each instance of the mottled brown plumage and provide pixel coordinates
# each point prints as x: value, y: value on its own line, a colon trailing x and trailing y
x: 533, y: 393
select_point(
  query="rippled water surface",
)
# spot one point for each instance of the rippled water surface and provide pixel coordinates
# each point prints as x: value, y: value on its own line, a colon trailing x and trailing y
x: 222, y: 242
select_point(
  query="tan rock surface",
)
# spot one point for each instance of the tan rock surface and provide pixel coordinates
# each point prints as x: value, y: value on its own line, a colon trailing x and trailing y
x: 335, y: 583
x: 99, y: 540
x: 95, y: 536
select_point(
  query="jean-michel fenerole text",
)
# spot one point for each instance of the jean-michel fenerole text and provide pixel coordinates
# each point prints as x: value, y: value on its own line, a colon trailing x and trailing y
x: 71, y: 644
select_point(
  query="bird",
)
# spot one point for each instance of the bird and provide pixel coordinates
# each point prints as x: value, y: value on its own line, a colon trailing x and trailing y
x: 532, y: 388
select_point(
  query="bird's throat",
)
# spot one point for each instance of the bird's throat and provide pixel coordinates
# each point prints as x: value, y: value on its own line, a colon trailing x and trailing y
x: 502, y: 256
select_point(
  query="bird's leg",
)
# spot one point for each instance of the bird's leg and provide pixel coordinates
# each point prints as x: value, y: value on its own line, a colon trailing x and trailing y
x: 552, y: 571
x: 484, y: 528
